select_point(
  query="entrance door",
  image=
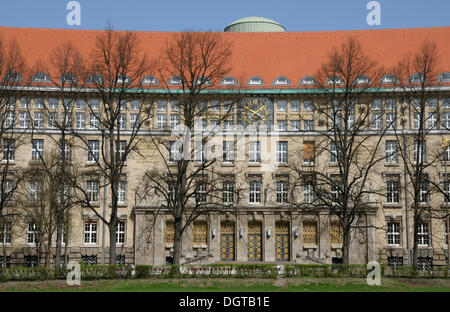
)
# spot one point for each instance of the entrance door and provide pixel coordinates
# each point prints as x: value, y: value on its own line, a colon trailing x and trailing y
x: 282, y: 248
x: 227, y: 241
x: 254, y: 241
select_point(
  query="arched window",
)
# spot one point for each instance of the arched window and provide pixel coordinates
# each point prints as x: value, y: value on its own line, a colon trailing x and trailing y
x: 363, y: 79
x: 12, y: 76
x: 68, y: 77
x: 150, y: 80
x: 416, y: 78
x: 281, y: 81
x: 228, y: 81
x: 307, y: 81
x: 204, y: 81
x: 335, y: 80
x: 175, y: 80
x: 123, y: 79
x: 41, y: 77
x: 389, y: 78
x: 255, y: 81
x: 95, y: 78
x: 445, y: 76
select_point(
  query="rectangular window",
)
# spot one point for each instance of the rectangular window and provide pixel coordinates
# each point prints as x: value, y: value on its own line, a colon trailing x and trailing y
x: 376, y: 104
x: 169, y: 235
x: 67, y: 148
x: 336, y: 233
x: 199, y: 155
x: 295, y: 125
x: 175, y: 106
x: 214, y: 106
x: 391, y: 122
x: 424, y: 192
x: 94, y: 104
x: 350, y: 121
x: 38, y: 103
x: 282, y: 125
x: 94, y: 150
x: 199, y: 233
x: 5, y: 232
x: 162, y: 106
x: 214, y: 125
x: 295, y: 106
x: 228, y: 125
x: 9, y: 149
x: 423, y: 234
x: 420, y: 151
x: 31, y: 233
x: 90, y: 232
x: 282, y: 191
x: 391, y: 104
x: 416, y: 121
x: 66, y: 119
x: 308, y: 193
x: 67, y: 103
x: 255, y: 152
x: 309, y: 233
x: 24, y: 120
x: 122, y: 192
x: 377, y: 120
x: 446, y: 103
x: 174, y: 151
x: 393, y: 234
x: 35, y: 189
x: 135, y: 105
x: 308, y: 105
x: 38, y: 120
x: 281, y: 106
x: 446, y: 120
x: 201, y: 193
x: 174, y: 121
x: 446, y: 188
x: 432, y: 103
x: 335, y: 152
x: 37, y: 149
x: 393, y: 191
x: 52, y: 120
x: 53, y: 103
x: 308, y: 152
x: 255, y: 192
x: 120, y: 232
x: 133, y: 121
x: 432, y: 120
x: 392, y: 152
x: 93, y: 121
x: 80, y: 104
x: 228, y: 151
x: 123, y: 122
x: 308, y: 125
x: 228, y: 192
x: 92, y: 188
x: 120, y: 150
x: 161, y: 122
x: 10, y: 119
x: 80, y: 120
x: 25, y: 102
x: 282, y: 152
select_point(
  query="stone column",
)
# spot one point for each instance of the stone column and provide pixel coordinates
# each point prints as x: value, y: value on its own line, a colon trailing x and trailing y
x: 269, y: 243
x: 214, y: 242
x: 241, y: 242
x: 324, y: 248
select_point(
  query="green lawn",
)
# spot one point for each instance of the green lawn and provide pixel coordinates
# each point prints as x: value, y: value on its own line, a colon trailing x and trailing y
x: 236, y: 285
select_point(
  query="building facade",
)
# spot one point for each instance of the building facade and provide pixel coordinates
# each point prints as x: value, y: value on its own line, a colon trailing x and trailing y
x: 267, y: 224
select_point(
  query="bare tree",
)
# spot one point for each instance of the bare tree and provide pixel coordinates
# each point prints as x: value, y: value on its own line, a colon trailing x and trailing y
x: 187, y: 182
x: 13, y: 72
x: 115, y: 72
x: 346, y: 134
x: 419, y: 82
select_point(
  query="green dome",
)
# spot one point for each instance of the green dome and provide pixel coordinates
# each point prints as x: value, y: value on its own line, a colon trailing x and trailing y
x: 254, y: 24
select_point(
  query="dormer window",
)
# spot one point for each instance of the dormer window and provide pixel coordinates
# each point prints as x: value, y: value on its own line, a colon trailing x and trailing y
x: 307, y: 81
x: 389, y: 79
x: 416, y: 78
x: 228, y: 81
x: 12, y: 76
x: 444, y: 77
x: 204, y: 81
x: 123, y: 79
x: 150, y: 80
x: 41, y: 77
x: 255, y: 81
x: 95, y: 78
x: 362, y: 80
x: 335, y: 80
x: 174, y: 81
x: 68, y: 77
x: 281, y: 81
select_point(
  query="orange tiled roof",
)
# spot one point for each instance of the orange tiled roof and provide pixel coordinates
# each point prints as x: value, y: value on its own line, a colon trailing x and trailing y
x: 267, y: 55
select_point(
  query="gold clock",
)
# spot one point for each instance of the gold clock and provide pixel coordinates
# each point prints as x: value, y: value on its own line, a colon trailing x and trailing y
x: 255, y: 111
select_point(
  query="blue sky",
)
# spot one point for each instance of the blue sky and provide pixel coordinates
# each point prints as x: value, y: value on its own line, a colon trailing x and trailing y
x: 176, y: 15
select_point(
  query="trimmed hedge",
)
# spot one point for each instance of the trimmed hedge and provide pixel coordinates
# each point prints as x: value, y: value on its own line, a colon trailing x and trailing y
x: 326, y: 270
x: 208, y: 270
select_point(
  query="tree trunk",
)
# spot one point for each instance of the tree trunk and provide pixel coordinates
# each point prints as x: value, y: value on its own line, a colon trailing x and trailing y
x: 59, y: 231
x: 112, y: 241
x: 177, y: 248
x: 346, y: 247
